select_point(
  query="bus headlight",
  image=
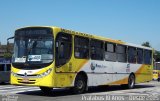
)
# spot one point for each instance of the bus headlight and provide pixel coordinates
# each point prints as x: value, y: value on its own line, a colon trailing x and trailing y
x: 14, y: 74
x: 45, y: 73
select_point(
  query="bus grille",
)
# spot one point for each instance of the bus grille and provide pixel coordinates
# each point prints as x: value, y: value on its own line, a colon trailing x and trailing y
x: 29, y: 81
x: 31, y: 76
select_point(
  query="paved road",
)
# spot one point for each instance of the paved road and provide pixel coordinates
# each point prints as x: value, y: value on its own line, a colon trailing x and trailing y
x: 142, y: 92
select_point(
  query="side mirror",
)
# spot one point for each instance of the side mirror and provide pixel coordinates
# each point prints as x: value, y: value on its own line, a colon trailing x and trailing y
x: 10, y: 39
x: 8, y: 42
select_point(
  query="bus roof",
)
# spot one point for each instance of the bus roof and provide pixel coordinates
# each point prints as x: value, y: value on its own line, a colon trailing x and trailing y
x: 117, y: 41
x: 94, y: 36
x: 139, y: 46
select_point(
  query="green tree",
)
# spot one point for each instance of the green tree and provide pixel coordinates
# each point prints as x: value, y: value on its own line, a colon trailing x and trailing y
x: 7, y: 55
x: 146, y: 44
x: 156, y: 53
x: 157, y: 56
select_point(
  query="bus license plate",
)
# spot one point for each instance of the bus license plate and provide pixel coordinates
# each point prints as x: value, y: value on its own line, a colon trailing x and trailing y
x: 25, y: 80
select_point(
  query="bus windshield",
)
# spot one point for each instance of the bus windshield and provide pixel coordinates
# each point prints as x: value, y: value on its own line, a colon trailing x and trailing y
x: 33, y: 46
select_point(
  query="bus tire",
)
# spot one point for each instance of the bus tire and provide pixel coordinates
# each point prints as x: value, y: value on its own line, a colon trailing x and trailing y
x: 80, y: 84
x: 46, y: 90
x: 131, y: 81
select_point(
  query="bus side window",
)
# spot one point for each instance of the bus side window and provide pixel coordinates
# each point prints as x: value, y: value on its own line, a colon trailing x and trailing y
x: 147, y: 57
x: 81, y: 47
x: 110, y: 54
x: 121, y: 53
x: 96, y: 49
x: 132, y: 55
x: 139, y: 56
x: 63, y: 48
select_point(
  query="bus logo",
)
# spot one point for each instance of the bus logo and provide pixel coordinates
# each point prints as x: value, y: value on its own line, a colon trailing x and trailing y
x: 128, y: 68
x: 93, y: 66
x: 25, y: 74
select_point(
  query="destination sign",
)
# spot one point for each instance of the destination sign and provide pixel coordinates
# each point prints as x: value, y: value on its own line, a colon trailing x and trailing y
x: 34, y: 31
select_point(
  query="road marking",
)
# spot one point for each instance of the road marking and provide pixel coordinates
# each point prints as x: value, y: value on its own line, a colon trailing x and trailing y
x: 14, y: 92
x: 10, y: 89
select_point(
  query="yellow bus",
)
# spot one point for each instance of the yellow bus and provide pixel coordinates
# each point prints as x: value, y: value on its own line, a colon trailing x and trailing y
x: 156, y: 71
x: 53, y: 57
x: 155, y: 74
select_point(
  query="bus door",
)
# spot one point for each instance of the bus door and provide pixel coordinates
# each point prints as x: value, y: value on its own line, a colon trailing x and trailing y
x: 63, y: 52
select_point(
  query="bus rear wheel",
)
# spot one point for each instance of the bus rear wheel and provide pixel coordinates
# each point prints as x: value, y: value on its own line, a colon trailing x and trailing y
x: 131, y: 81
x: 80, y: 85
x: 46, y: 90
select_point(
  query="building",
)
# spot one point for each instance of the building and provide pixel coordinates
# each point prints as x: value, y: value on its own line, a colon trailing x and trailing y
x: 5, y: 61
x: 6, y: 53
x: 6, y: 49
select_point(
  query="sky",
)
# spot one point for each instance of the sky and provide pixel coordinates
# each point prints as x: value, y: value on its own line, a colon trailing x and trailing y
x: 133, y: 21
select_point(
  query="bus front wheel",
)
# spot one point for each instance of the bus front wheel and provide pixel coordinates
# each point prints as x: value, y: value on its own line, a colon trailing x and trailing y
x: 79, y: 85
x: 46, y: 90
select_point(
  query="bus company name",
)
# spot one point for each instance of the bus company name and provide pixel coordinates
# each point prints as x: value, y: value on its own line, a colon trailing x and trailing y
x: 95, y: 65
x: 74, y: 32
